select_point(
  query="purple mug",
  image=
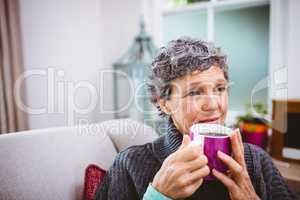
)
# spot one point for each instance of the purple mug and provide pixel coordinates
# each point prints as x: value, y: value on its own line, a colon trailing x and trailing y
x: 212, y: 137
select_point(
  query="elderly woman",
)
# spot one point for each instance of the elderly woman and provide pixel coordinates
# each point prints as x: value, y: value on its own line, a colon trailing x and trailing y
x: 189, y: 84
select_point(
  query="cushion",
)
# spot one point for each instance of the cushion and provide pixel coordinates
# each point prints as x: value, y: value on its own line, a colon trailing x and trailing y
x: 93, y: 177
x: 127, y: 132
x: 33, y: 160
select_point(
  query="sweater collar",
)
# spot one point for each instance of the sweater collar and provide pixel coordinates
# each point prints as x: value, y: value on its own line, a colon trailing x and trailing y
x: 174, y: 137
x: 168, y: 143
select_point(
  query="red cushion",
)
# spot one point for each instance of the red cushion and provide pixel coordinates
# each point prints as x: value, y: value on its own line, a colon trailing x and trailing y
x: 93, y: 177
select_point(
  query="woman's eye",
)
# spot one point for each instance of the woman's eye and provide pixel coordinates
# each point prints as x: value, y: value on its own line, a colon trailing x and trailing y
x: 193, y: 93
x: 221, y: 89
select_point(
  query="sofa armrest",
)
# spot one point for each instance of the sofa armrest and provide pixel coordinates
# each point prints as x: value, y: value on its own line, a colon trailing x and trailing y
x: 127, y: 132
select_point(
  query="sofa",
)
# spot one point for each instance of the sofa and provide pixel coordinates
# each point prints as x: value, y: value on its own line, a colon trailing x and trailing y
x: 50, y: 163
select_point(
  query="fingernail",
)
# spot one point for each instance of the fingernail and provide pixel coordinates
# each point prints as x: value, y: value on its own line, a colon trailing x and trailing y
x: 233, y: 133
x: 214, y: 171
x: 220, y: 153
x: 204, y: 157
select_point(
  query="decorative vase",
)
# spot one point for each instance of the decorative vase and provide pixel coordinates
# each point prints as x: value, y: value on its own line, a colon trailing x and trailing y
x: 255, y: 133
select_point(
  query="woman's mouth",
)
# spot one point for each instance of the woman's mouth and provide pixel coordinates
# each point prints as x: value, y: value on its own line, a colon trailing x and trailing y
x: 212, y: 120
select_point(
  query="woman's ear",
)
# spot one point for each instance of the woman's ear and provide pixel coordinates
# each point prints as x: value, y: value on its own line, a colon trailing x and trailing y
x: 164, y: 106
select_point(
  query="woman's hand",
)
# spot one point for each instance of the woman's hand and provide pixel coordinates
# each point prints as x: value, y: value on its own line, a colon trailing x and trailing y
x: 237, y: 181
x: 182, y: 172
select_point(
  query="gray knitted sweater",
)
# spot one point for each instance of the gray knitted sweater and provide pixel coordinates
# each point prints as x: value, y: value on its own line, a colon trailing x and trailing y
x: 135, y: 167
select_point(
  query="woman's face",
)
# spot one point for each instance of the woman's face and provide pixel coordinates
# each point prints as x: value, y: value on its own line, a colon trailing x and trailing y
x: 199, y: 97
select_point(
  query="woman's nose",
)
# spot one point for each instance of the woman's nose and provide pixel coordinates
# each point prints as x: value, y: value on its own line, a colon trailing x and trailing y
x: 210, y: 103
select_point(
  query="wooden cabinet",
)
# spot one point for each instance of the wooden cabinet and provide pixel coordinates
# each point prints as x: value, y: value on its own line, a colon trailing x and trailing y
x: 285, y: 129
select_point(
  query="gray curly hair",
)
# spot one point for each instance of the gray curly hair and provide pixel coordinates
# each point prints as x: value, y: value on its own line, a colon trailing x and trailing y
x: 178, y: 58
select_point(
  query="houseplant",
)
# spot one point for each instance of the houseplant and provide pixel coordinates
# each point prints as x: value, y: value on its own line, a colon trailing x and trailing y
x: 253, y: 124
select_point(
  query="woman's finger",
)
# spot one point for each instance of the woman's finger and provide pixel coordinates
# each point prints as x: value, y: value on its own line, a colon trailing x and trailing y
x: 197, y: 183
x: 185, y: 142
x: 233, y: 165
x: 243, y: 163
x: 191, y: 152
x: 191, y: 188
x: 240, y: 140
x: 236, y: 148
x: 193, y: 177
x: 228, y: 182
x: 200, y: 173
x: 197, y: 163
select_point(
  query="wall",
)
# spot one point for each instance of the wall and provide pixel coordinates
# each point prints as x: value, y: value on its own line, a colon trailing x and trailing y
x: 284, y: 49
x: 66, y: 45
x: 248, y: 26
x: 84, y: 37
x: 243, y: 35
x: 293, y: 45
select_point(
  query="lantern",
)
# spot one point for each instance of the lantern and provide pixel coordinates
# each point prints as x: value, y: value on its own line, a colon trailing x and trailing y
x: 130, y: 74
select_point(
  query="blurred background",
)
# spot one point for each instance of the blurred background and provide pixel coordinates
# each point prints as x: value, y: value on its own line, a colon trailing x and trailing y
x: 72, y: 62
x: 67, y: 45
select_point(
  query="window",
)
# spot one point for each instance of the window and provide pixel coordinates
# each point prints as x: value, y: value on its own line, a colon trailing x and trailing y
x: 241, y: 29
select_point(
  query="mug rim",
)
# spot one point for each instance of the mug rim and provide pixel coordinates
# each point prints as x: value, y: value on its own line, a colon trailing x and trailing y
x: 202, y: 128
